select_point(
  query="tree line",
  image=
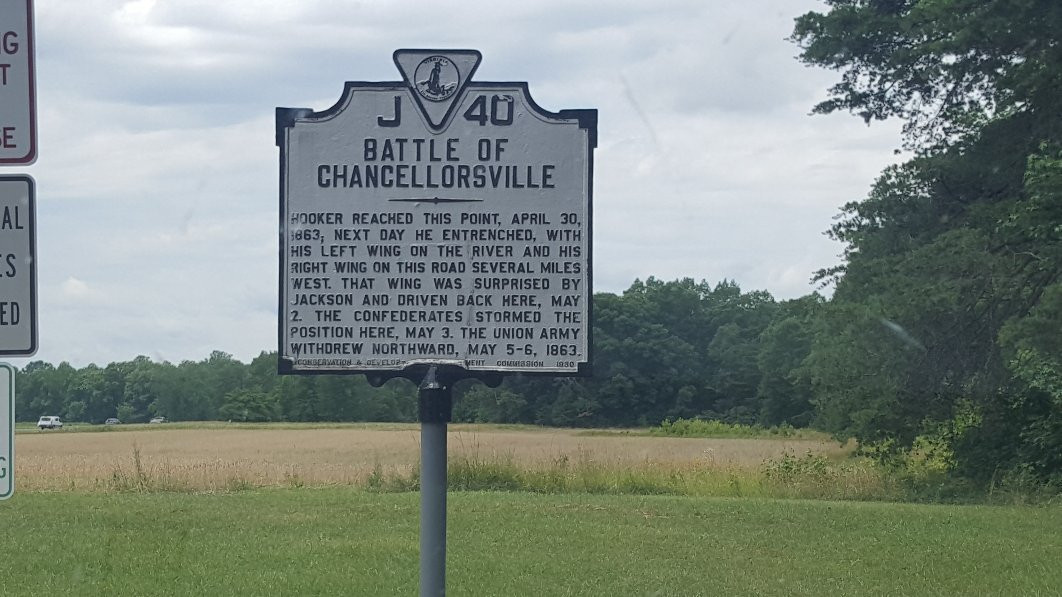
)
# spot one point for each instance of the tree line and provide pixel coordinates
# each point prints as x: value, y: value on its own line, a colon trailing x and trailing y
x: 943, y: 334
x: 944, y: 331
x: 677, y: 349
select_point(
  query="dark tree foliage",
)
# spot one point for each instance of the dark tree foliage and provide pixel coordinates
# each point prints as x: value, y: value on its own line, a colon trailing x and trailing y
x: 784, y: 393
x: 946, y: 67
x: 953, y: 251
x: 216, y: 388
x: 662, y: 350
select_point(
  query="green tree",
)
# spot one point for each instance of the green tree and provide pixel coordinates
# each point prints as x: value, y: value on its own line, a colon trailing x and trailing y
x: 953, y: 247
x: 219, y: 375
x: 250, y: 406
x: 44, y: 388
x: 196, y: 400
x: 112, y: 392
x: 481, y: 404
x: 1024, y: 432
x: 170, y: 397
x: 125, y: 412
x: 140, y: 390
x: 87, y: 389
x: 75, y: 411
x: 945, y: 67
x: 29, y: 384
x: 784, y: 393
x: 661, y: 350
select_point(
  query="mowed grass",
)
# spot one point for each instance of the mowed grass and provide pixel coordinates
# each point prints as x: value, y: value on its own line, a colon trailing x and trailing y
x: 341, y: 541
x: 332, y: 510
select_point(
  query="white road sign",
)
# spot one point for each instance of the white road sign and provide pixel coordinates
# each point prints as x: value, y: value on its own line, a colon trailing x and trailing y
x: 18, y: 266
x: 7, y: 431
x: 18, y: 103
x: 435, y: 220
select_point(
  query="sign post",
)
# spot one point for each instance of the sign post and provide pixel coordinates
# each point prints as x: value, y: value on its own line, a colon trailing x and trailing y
x: 18, y: 102
x: 435, y: 228
x: 7, y: 431
x: 436, y: 403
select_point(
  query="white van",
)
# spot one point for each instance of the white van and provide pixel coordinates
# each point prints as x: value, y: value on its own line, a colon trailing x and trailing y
x: 49, y: 423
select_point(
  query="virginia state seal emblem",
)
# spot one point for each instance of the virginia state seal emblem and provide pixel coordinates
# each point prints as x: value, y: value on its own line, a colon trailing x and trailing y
x: 436, y: 78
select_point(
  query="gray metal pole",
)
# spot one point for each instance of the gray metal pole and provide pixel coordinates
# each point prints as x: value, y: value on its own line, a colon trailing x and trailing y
x: 435, y: 409
x: 432, y: 509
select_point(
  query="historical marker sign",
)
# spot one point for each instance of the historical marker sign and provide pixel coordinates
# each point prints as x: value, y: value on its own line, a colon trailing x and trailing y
x: 18, y: 104
x: 435, y: 220
x: 7, y: 431
x: 18, y: 266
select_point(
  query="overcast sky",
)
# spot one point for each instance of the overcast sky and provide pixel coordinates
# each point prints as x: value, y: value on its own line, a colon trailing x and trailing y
x: 157, y: 168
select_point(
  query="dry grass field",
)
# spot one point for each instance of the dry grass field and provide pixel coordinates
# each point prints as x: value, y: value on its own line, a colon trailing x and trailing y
x: 223, y: 457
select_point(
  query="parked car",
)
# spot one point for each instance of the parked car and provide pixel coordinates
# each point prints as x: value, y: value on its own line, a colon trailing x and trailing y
x: 111, y: 421
x: 49, y: 423
x: 158, y: 420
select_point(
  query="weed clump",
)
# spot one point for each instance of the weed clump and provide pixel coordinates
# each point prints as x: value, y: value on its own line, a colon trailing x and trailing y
x: 711, y: 428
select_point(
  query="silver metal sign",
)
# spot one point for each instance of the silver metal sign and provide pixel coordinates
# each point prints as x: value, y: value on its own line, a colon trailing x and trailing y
x: 18, y: 103
x: 7, y: 431
x: 435, y: 220
x: 18, y: 266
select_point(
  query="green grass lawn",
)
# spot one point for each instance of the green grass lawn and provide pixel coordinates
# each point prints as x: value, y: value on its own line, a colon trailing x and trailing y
x: 349, y: 542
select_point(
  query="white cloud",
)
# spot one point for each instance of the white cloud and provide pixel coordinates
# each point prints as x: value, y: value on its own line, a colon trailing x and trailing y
x: 77, y: 290
x: 157, y: 175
